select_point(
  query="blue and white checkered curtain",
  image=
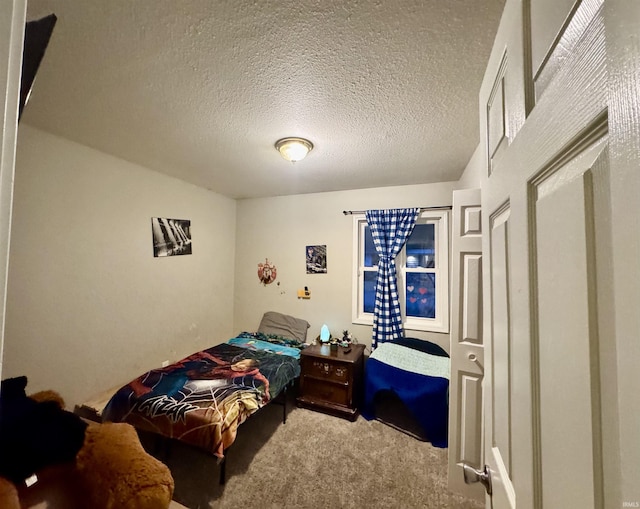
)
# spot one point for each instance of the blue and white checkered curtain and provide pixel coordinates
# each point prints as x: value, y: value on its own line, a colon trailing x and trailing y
x: 390, y: 230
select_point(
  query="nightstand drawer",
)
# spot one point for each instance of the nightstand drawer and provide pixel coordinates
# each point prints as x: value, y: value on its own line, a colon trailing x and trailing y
x: 325, y: 369
x: 329, y: 392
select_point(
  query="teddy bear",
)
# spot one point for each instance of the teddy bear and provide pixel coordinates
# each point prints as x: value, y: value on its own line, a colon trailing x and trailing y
x: 50, y: 454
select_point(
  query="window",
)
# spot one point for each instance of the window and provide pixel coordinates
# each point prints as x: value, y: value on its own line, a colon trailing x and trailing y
x: 422, y: 268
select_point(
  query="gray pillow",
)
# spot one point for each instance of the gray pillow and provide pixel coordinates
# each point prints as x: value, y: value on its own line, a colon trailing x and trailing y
x: 284, y: 325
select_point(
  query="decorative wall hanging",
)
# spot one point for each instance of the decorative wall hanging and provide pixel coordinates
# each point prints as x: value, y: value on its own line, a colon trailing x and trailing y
x: 316, y: 259
x: 171, y: 237
x: 267, y: 272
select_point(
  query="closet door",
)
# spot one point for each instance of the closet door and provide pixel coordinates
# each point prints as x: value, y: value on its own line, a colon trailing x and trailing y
x: 555, y: 263
x: 467, y: 349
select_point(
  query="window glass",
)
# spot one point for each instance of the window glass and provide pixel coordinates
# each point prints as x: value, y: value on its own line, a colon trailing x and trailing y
x: 370, y: 255
x: 420, y: 247
x: 369, y: 290
x: 421, y: 294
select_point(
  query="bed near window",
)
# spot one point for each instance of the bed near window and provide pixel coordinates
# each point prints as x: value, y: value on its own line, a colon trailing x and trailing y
x: 203, y: 399
x: 417, y: 373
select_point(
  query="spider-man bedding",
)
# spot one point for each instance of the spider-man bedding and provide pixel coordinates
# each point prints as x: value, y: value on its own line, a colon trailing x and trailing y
x: 202, y: 399
x: 418, y: 373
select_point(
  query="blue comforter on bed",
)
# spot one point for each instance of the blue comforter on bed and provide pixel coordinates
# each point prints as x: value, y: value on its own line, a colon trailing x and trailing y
x: 252, y: 343
x: 426, y: 396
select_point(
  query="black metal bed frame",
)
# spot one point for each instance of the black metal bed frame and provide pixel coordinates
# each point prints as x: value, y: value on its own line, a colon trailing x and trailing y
x: 162, y: 446
x: 280, y: 399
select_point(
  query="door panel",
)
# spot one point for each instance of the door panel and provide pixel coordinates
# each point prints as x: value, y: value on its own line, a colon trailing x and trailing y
x: 471, y: 419
x: 497, y: 134
x: 501, y: 341
x: 576, y: 19
x: 547, y: 19
x: 569, y: 401
x: 472, y: 297
x: 505, y: 95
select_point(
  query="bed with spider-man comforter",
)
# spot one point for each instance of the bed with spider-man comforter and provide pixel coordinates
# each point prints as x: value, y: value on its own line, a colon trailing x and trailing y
x: 203, y: 399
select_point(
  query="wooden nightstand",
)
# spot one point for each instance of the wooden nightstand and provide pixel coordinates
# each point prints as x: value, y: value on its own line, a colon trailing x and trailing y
x: 331, y: 381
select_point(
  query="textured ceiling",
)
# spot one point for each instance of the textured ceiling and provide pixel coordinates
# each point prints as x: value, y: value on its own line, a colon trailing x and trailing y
x: 386, y: 90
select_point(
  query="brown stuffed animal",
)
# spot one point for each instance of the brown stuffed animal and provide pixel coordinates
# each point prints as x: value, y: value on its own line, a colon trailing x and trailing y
x: 8, y: 495
x: 111, y: 471
x: 118, y: 472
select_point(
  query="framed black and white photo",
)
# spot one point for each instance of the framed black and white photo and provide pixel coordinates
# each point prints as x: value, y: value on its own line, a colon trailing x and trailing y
x: 316, y: 259
x: 171, y: 237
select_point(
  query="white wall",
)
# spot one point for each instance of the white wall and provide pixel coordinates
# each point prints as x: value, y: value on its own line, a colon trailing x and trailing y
x: 474, y: 176
x: 280, y: 228
x: 89, y: 307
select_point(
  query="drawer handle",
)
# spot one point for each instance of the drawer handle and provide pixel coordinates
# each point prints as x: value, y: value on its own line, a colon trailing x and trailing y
x: 324, y: 367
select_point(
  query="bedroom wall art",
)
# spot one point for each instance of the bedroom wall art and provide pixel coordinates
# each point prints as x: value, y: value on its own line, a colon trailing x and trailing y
x: 267, y: 272
x: 171, y: 237
x: 317, y: 259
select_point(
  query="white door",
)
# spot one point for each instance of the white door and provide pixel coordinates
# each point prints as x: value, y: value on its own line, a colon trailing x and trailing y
x: 467, y: 351
x: 559, y: 126
x: 12, y: 20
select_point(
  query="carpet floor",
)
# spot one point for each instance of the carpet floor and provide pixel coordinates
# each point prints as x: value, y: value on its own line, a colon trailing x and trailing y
x: 314, y: 461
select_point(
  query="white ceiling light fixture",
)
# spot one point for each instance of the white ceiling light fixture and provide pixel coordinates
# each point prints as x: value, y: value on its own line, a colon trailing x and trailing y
x: 294, y: 149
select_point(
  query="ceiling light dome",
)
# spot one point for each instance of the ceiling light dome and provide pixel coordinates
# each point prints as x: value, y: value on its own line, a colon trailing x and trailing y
x: 294, y: 149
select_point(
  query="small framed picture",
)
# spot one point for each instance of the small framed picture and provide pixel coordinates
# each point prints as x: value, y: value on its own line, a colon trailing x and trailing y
x: 171, y: 237
x: 317, y: 259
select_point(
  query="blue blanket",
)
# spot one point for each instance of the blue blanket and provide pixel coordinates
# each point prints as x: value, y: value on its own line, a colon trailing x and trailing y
x: 257, y: 344
x: 426, y: 397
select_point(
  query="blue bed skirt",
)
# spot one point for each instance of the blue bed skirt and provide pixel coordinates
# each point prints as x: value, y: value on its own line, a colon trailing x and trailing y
x: 426, y: 397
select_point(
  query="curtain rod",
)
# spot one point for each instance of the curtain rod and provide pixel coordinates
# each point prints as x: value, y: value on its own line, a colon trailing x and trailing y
x: 350, y: 212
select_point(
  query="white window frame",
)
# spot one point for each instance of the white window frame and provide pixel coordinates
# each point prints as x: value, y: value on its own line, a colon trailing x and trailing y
x: 440, y: 323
